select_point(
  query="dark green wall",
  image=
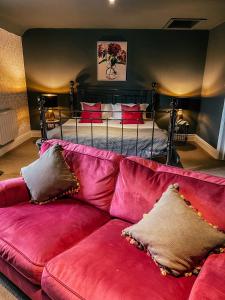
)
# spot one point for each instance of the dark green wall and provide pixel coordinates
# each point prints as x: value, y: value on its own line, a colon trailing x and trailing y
x: 213, y: 94
x: 174, y: 59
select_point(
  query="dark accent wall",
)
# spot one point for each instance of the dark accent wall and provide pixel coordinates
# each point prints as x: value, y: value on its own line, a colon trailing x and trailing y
x: 174, y: 59
x: 213, y: 89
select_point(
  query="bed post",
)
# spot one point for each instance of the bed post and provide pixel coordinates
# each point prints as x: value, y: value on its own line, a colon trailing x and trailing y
x: 41, y: 103
x: 72, y: 98
x: 171, y: 160
x: 153, y: 104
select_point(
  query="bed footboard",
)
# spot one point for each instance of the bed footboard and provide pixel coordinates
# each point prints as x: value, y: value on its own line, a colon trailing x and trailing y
x: 133, y: 141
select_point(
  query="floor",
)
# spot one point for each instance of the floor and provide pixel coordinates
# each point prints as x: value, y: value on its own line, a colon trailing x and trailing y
x: 192, y: 157
x: 195, y: 158
x: 8, y: 291
x: 13, y: 161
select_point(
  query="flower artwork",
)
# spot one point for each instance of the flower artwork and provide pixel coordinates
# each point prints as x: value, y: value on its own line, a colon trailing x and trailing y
x: 112, y: 61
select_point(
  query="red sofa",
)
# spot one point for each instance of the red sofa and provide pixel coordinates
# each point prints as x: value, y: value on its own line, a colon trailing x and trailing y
x: 73, y: 249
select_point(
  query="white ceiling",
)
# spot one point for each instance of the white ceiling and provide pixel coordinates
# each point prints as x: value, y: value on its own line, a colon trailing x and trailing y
x: 19, y: 15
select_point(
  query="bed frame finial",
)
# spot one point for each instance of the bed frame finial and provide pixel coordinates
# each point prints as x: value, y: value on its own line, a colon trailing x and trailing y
x: 154, y: 85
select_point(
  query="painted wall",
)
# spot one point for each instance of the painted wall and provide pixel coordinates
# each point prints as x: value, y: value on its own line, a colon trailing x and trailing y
x: 12, y: 79
x: 174, y: 59
x: 213, y: 89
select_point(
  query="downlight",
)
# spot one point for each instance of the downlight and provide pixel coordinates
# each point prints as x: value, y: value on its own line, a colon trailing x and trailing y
x: 112, y: 2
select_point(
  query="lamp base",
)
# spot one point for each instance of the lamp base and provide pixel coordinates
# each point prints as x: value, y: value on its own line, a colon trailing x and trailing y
x: 49, y: 115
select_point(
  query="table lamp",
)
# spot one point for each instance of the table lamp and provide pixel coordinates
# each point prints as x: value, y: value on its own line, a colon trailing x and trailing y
x: 180, y: 114
x: 51, y: 101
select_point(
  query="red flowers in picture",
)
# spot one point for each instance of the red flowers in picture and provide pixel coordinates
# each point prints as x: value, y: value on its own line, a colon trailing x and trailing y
x: 112, y: 54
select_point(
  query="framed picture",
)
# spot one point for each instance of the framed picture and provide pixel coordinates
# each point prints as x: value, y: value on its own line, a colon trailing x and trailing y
x: 112, y: 61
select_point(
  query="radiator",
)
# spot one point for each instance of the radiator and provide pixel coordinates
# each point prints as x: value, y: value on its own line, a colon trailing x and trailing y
x: 8, y: 126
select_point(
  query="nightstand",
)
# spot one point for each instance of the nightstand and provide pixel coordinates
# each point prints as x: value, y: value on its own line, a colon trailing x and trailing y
x: 52, y: 123
x: 181, y: 131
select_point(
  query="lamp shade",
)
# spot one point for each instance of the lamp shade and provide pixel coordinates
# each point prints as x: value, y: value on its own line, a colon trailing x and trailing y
x: 192, y: 103
x: 180, y: 114
x: 51, y: 100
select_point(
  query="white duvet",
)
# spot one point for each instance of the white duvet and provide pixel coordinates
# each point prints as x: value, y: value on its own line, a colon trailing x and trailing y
x: 71, y: 123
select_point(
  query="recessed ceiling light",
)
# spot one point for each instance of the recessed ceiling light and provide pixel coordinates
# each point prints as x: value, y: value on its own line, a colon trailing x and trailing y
x: 112, y: 2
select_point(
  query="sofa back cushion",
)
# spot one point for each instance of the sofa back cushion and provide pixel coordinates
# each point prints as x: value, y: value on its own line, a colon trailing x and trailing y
x: 141, y: 183
x: 95, y: 169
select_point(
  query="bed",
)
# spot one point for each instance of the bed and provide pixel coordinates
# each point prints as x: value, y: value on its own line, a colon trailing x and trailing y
x: 129, y: 140
x: 146, y: 140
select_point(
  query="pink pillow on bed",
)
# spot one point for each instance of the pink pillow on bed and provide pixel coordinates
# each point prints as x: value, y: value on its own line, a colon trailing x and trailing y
x: 92, y: 114
x: 131, y: 114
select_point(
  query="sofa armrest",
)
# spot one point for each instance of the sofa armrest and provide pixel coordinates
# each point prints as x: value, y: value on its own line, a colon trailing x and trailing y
x: 13, y: 191
x: 209, y: 284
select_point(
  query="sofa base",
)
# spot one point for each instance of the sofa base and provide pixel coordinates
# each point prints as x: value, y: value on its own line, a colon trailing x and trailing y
x: 31, y: 290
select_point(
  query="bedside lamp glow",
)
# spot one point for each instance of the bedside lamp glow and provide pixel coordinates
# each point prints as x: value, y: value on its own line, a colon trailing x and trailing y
x: 180, y: 114
x: 51, y: 101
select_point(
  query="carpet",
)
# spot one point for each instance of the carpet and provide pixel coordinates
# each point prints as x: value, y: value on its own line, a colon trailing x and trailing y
x: 8, y: 291
x: 220, y: 171
x: 5, y: 295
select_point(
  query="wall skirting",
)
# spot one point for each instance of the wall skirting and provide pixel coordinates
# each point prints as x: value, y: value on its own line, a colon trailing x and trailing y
x: 221, y: 138
x: 204, y: 145
x: 35, y: 133
x: 18, y: 141
x: 192, y: 137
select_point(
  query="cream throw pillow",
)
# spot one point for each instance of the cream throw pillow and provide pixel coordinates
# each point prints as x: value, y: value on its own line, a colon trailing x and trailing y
x: 49, y: 177
x: 175, y: 235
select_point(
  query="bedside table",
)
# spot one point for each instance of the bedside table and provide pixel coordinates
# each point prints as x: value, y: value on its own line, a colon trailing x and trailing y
x: 181, y: 131
x: 52, y: 123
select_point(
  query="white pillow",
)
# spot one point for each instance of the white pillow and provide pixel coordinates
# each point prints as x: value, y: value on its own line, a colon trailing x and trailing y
x: 117, y: 107
x: 104, y: 106
x: 88, y: 103
x: 108, y: 110
x: 144, y: 107
x: 116, y: 111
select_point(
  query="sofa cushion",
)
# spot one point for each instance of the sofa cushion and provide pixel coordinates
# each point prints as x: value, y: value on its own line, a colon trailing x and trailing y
x: 13, y: 191
x: 32, y: 235
x: 142, y: 182
x: 104, y: 267
x: 95, y: 169
x: 210, y: 282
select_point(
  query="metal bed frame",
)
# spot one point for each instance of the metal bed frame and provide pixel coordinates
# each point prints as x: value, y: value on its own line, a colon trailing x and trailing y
x: 112, y: 95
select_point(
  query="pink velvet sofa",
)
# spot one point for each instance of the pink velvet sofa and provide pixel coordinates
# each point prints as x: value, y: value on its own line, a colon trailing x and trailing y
x: 72, y: 249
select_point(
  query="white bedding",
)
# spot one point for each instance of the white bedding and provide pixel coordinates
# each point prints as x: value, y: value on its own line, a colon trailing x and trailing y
x: 71, y: 123
x: 126, y: 142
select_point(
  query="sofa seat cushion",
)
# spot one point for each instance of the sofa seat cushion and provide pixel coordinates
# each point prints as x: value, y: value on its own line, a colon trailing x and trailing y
x: 104, y: 267
x: 31, y: 235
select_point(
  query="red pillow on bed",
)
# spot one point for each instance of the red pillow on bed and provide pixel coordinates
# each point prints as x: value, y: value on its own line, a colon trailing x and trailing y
x: 92, y: 114
x: 131, y: 114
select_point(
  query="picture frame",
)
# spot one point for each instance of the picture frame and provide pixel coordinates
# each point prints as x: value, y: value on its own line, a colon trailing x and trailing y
x: 111, y: 61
